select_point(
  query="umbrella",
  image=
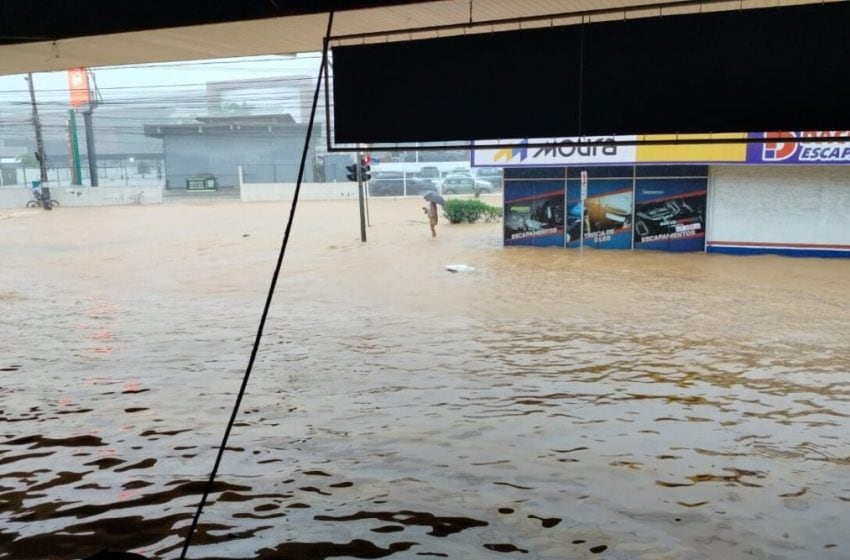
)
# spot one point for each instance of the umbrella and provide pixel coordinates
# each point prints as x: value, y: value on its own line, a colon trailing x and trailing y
x: 431, y: 196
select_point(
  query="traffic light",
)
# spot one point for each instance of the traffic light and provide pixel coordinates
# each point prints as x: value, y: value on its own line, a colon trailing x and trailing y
x: 364, y: 170
x: 352, y: 172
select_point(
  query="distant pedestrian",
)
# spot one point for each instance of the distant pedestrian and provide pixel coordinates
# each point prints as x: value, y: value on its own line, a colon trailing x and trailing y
x: 431, y: 212
x: 36, y: 191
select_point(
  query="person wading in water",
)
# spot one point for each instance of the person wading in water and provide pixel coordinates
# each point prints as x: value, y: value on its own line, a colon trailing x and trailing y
x: 431, y: 211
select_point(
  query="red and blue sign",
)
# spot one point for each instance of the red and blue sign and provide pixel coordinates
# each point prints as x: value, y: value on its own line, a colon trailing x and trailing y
x: 800, y: 148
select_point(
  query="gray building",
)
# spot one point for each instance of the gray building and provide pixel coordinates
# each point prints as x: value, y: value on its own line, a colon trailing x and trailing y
x: 291, y: 95
x: 268, y: 147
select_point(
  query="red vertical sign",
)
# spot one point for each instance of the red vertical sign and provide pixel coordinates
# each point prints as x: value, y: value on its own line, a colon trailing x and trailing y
x: 78, y: 86
x: 584, y: 185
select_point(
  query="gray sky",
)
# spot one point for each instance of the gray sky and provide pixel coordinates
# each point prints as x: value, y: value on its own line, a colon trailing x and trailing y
x: 118, y: 82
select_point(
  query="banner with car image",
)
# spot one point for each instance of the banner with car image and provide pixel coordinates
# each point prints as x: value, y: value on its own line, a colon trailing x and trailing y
x: 670, y: 214
x: 534, y: 213
x: 606, y: 214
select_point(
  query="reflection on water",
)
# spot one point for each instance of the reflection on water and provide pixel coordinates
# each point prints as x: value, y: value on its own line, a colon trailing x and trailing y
x: 548, y: 405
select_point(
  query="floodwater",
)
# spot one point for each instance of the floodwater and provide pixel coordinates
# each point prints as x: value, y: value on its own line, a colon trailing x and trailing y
x: 551, y: 404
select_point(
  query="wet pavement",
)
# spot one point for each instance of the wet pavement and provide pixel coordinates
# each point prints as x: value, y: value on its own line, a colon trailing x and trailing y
x: 550, y: 404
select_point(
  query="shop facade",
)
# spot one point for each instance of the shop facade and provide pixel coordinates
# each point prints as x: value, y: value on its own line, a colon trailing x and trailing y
x: 789, y: 197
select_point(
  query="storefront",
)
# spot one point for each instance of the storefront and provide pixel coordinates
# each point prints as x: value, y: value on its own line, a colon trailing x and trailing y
x: 790, y: 198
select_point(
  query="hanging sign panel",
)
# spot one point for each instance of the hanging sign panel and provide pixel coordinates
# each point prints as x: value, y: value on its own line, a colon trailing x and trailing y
x: 720, y: 71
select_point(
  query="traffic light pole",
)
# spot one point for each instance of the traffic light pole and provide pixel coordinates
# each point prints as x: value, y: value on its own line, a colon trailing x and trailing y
x: 366, y: 192
x: 361, y: 195
x: 360, y: 172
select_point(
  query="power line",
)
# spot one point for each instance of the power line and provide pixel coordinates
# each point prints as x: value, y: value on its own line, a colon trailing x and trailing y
x: 298, y: 78
x: 241, y: 60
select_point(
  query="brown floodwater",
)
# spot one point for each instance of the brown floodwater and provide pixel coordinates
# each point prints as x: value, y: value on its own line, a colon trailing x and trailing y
x: 550, y: 404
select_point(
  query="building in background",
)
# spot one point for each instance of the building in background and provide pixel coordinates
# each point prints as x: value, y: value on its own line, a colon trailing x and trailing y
x: 123, y: 151
x: 291, y: 95
x: 267, y: 147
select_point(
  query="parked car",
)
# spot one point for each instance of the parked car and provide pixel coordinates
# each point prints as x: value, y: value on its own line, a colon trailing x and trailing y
x: 395, y: 186
x: 493, y: 175
x: 429, y: 172
x: 386, y: 175
x: 465, y: 184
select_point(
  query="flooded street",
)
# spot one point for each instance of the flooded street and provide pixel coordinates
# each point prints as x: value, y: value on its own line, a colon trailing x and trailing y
x: 551, y: 404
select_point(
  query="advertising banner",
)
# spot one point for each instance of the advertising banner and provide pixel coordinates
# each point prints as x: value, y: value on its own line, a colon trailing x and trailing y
x: 802, y: 150
x: 606, y: 217
x: 558, y: 152
x: 670, y: 214
x: 78, y: 86
x: 534, y: 213
x: 691, y: 153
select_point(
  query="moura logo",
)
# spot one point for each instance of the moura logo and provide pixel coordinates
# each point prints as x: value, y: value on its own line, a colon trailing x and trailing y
x: 508, y: 154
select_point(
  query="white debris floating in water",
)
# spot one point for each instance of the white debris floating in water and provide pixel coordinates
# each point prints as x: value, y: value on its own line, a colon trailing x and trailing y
x: 459, y: 268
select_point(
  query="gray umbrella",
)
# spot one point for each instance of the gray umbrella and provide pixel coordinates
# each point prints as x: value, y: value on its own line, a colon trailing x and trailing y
x: 431, y: 196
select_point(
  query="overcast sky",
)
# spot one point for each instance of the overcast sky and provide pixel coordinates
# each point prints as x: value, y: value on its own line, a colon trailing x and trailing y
x: 122, y: 81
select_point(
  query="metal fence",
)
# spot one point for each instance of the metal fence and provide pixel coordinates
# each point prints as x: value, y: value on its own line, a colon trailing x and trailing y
x: 108, y: 176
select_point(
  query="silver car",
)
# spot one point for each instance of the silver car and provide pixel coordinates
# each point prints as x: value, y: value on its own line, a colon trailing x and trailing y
x: 465, y: 184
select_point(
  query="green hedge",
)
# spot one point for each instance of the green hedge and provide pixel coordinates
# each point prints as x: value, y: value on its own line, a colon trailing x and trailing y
x: 469, y: 211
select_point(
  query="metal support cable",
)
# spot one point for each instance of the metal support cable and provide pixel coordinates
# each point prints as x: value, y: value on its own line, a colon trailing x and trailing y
x: 269, y: 298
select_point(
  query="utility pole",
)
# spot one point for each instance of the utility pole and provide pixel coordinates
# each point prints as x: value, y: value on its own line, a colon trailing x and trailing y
x: 90, y: 146
x: 39, y: 141
x: 39, y: 146
x: 75, y: 147
x: 94, y: 100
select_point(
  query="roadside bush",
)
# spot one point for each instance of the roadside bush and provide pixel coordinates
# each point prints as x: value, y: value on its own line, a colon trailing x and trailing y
x: 470, y: 211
